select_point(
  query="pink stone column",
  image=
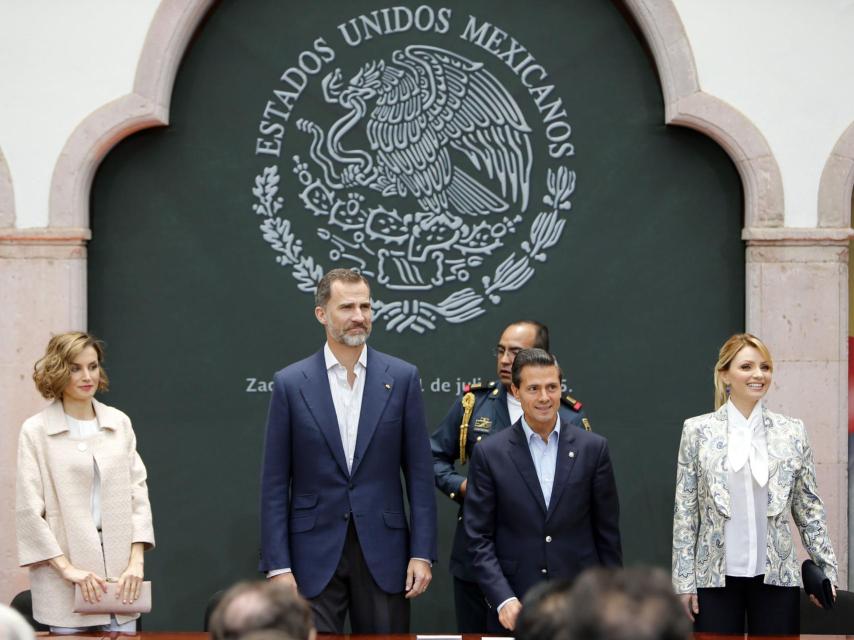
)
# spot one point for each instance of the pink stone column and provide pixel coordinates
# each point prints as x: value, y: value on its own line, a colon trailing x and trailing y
x: 43, y: 291
x: 797, y: 302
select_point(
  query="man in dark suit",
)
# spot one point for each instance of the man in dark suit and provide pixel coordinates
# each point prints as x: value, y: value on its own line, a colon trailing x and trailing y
x: 541, y: 501
x: 342, y: 425
x: 483, y: 410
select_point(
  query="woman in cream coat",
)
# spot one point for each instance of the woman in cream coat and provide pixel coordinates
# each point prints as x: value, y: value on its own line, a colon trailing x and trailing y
x: 742, y: 471
x: 82, y: 510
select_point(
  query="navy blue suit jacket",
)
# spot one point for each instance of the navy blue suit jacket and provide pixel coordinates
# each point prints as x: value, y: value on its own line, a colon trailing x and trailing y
x: 307, y: 494
x: 490, y: 403
x: 514, y: 540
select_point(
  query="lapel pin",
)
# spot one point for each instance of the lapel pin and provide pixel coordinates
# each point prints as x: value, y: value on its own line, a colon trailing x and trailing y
x: 388, y: 386
x: 572, y: 454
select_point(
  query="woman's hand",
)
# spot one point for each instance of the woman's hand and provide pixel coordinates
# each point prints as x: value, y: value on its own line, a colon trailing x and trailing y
x: 690, y: 604
x: 815, y: 601
x: 91, y: 584
x: 130, y: 581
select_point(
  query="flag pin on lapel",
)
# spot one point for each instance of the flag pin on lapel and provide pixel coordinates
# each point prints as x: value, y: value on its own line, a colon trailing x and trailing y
x: 388, y: 386
x: 572, y: 454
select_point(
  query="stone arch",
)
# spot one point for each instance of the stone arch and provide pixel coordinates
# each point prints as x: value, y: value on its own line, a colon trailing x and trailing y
x: 837, y: 184
x: 147, y: 105
x: 176, y: 20
x: 687, y: 105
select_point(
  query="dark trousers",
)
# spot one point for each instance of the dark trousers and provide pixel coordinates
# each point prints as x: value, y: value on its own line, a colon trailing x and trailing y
x: 470, y: 604
x: 747, y: 604
x: 353, y: 588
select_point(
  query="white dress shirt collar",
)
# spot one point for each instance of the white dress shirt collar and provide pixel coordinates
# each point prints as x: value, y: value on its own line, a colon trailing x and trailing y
x: 529, y: 433
x: 331, y: 360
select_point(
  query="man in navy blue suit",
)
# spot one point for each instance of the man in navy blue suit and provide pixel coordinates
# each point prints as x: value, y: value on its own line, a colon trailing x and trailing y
x: 541, y: 502
x: 342, y: 425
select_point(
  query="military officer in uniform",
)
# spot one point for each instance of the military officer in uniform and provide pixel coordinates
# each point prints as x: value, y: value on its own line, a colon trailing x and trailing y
x: 484, y: 409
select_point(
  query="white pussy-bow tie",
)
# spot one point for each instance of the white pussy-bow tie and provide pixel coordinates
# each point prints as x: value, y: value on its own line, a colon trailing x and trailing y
x: 749, y: 444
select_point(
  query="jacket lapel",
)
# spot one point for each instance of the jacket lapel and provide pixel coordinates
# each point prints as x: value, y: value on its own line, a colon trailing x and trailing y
x: 318, y: 397
x: 379, y: 386
x: 718, y: 462
x: 564, y: 464
x: 55, y: 418
x: 520, y: 454
x: 778, y: 443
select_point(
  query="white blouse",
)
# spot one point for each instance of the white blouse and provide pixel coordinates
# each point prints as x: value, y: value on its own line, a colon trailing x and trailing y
x: 83, y: 430
x: 747, y: 456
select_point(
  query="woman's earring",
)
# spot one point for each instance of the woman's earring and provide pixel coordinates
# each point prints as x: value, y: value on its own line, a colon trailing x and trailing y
x: 727, y: 389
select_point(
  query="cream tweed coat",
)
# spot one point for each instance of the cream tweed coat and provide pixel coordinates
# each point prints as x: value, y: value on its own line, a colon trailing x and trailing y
x: 53, y: 507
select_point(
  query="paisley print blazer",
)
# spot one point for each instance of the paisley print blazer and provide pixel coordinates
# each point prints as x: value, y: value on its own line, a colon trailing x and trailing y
x: 703, y: 504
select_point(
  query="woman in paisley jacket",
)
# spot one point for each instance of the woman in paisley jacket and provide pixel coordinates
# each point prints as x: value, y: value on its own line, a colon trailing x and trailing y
x: 742, y: 471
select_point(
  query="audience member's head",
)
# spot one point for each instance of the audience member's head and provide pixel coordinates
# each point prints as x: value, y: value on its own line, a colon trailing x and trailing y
x: 543, y: 615
x: 605, y: 604
x: 13, y: 626
x: 265, y: 610
x: 637, y: 603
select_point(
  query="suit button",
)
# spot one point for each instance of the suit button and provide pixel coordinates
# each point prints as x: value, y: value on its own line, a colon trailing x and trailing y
x: 352, y: 486
x: 544, y: 570
x: 548, y: 538
x: 453, y: 495
x: 479, y: 438
x: 459, y: 518
x: 81, y: 446
x: 347, y: 516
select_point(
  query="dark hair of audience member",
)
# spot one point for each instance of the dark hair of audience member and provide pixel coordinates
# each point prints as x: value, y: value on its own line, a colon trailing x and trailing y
x: 637, y: 603
x: 543, y: 615
x: 264, y: 606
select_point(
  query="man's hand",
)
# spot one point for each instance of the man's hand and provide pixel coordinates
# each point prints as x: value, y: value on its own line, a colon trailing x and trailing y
x: 463, y: 487
x: 287, y: 579
x: 418, y: 576
x: 690, y: 604
x: 509, y: 614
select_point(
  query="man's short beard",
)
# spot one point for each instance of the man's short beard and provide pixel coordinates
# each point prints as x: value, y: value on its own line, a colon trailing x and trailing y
x: 351, y: 340
x: 355, y: 340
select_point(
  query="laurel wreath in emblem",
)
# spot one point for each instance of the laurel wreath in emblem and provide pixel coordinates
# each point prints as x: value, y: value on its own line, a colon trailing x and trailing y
x: 445, y: 135
x: 417, y: 315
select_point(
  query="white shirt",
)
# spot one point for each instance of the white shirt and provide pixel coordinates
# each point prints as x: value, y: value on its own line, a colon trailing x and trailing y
x: 514, y: 408
x: 544, y: 456
x: 747, y: 458
x: 82, y: 430
x: 347, y: 399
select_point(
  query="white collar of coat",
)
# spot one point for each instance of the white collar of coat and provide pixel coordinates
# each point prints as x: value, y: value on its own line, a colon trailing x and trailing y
x: 746, y: 441
x: 55, y: 417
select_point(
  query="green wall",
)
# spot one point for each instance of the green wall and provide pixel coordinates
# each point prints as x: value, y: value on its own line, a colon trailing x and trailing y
x: 644, y: 283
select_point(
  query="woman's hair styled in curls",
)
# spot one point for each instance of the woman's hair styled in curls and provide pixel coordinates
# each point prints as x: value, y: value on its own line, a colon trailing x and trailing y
x: 52, y: 371
x: 728, y: 351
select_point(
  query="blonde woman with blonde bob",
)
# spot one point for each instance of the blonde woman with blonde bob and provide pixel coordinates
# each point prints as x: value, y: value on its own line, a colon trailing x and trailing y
x: 82, y: 510
x: 745, y: 475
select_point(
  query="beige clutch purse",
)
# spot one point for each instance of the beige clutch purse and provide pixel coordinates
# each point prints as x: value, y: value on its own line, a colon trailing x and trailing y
x: 110, y: 604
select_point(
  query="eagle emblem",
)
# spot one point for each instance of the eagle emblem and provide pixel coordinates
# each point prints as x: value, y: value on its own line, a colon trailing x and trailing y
x: 419, y: 177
